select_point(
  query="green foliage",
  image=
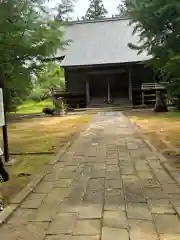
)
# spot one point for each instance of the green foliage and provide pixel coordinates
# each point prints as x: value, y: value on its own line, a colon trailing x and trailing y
x: 38, y: 94
x: 96, y: 10
x: 157, y: 23
x: 122, y: 11
x: 65, y: 9
x: 51, y: 76
x: 28, y: 35
x: 48, y: 76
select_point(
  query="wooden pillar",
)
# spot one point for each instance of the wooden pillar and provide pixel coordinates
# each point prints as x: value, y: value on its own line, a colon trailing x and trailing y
x: 154, y: 76
x: 65, y: 78
x: 109, y: 91
x: 130, y: 83
x: 87, y: 92
x: 143, y: 102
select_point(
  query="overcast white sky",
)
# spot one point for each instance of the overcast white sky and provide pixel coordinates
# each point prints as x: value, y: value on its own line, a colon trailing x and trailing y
x: 82, y: 6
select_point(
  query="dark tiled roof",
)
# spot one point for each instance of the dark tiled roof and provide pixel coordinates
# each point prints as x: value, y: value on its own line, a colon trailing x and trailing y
x: 100, y: 42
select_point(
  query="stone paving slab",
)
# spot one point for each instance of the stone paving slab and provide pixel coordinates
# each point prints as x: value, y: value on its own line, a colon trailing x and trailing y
x: 63, y: 224
x: 142, y: 230
x: 138, y: 211
x: 114, y: 233
x: 167, y: 223
x: 87, y: 227
x: 108, y: 185
x: 93, y: 211
x: 161, y: 206
x: 169, y: 236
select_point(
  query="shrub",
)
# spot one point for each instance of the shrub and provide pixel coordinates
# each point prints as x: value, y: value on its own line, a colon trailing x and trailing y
x: 38, y: 95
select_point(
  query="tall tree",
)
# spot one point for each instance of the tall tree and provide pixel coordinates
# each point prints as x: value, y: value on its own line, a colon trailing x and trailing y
x: 27, y: 37
x: 96, y: 10
x: 121, y: 11
x: 65, y: 9
x: 157, y: 23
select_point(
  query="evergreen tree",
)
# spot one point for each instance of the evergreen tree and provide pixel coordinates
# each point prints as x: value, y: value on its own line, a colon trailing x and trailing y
x: 96, y: 10
x: 157, y: 23
x: 121, y: 11
x: 65, y: 9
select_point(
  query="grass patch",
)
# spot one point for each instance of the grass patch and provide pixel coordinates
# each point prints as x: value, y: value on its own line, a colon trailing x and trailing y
x: 163, y: 131
x: 37, y: 135
x: 23, y: 164
x: 29, y: 106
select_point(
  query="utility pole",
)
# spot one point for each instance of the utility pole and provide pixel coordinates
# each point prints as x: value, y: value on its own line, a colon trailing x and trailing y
x: 3, y: 123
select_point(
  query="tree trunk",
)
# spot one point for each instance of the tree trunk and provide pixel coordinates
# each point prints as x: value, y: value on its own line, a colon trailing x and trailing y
x: 160, y: 105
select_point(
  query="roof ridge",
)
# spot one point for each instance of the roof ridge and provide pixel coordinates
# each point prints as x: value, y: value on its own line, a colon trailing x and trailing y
x: 101, y: 20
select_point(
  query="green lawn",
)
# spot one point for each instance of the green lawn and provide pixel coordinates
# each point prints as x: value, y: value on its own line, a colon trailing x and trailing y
x: 162, y: 129
x: 30, y: 106
x: 151, y: 114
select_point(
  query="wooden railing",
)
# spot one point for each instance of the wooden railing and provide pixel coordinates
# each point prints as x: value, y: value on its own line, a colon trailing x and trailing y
x: 149, y: 91
x: 152, y: 86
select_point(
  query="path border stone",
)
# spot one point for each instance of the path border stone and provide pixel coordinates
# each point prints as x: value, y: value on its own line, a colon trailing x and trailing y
x: 37, y: 179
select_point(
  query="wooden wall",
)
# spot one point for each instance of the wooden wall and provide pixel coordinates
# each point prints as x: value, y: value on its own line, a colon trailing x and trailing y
x: 76, y: 77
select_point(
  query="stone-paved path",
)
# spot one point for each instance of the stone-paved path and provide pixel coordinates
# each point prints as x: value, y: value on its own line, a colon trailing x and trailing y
x: 108, y: 186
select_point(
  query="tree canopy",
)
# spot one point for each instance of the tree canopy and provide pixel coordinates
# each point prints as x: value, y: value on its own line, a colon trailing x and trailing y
x: 50, y: 76
x: 96, y: 10
x: 122, y: 11
x: 65, y: 8
x: 158, y: 25
x: 28, y: 35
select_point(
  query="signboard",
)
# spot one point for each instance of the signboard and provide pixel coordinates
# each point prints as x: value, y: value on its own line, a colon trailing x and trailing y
x: 2, y: 118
